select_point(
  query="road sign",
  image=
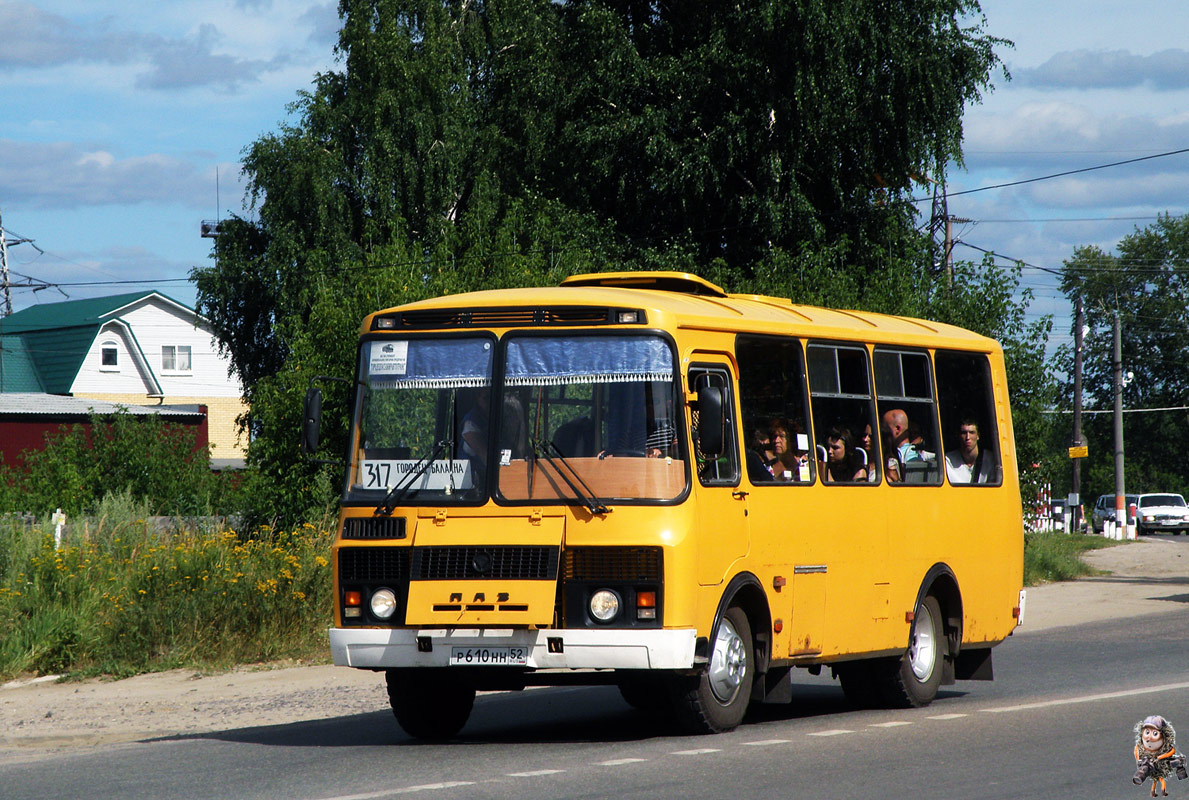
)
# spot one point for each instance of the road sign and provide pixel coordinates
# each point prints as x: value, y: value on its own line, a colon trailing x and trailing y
x: 1079, y: 452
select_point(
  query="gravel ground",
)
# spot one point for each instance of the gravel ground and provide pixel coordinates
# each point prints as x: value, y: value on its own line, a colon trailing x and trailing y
x: 41, y: 716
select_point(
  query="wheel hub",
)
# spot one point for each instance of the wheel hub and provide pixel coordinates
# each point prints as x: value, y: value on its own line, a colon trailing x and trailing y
x: 728, y: 664
x: 922, y: 652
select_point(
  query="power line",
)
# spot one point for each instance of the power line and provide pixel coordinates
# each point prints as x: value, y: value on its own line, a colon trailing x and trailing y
x: 1059, y: 174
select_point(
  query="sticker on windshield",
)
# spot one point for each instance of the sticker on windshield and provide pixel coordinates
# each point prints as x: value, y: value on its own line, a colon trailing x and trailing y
x: 388, y: 358
x: 440, y: 475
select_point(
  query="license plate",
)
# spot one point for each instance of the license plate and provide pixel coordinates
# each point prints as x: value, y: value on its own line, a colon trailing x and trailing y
x: 488, y: 656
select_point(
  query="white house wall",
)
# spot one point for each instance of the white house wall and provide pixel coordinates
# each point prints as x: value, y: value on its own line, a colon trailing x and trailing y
x: 157, y: 324
x: 125, y: 377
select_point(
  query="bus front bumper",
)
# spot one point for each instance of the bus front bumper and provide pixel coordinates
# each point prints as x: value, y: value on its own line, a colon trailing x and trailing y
x: 372, y: 648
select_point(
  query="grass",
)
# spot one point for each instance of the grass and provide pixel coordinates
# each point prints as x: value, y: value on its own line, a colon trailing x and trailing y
x: 1054, y: 556
x: 123, y: 596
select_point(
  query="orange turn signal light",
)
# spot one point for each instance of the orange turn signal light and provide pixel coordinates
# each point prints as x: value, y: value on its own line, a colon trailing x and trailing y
x: 353, y: 598
x: 645, y: 599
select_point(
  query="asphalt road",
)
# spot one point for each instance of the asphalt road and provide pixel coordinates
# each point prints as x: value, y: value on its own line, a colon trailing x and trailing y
x: 1056, y: 723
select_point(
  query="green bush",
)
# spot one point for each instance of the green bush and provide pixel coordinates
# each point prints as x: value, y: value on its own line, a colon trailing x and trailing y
x: 126, y: 594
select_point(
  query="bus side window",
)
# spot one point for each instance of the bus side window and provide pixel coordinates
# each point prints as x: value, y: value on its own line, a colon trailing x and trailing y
x: 773, y: 408
x: 721, y: 468
x: 840, y: 396
x: 908, y: 415
x: 966, y: 401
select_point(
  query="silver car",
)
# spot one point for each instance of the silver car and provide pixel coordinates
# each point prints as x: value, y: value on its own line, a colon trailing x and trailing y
x: 1104, y: 509
x: 1162, y: 512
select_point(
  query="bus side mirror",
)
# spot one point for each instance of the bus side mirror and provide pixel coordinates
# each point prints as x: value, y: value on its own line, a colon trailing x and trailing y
x: 311, y: 426
x: 711, y: 422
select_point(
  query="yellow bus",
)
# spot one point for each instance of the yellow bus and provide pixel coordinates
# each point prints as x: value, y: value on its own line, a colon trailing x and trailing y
x: 639, y: 479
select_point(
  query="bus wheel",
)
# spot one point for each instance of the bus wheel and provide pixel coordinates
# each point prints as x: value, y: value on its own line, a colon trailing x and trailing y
x: 428, y: 706
x: 912, y: 681
x: 717, y: 700
x: 859, y: 684
x: 644, y: 693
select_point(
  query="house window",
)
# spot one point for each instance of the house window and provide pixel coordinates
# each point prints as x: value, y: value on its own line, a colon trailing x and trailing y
x: 175, y: 358
x: 109, y: 356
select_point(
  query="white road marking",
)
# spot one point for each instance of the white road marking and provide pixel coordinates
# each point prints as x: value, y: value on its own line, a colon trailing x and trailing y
x: 834, y: 732
x: 766, y: 742
x: 405, y: 790
x: 615, y: 762
x: 1089, y: 698
x: 893, y: 724
x: 535, y: 773
x: 948, y: 716
x: 700, y: 751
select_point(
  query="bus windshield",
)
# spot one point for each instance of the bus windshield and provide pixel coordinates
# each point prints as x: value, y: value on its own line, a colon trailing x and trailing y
x: 589, y: 418
x: 418, y: 399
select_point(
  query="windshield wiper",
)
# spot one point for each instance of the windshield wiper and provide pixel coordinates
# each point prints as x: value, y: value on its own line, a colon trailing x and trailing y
x: 582, y: 492
x: 398, y: 492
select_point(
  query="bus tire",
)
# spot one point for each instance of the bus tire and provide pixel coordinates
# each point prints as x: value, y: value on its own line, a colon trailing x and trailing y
x: 428, y: 706
x: 644, y: 693
x: 716, y: 700
x: 859, y: 680
x: 912, y: 681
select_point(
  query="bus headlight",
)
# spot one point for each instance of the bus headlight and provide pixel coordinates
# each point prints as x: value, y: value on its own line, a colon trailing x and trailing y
x: 604, y: 605
x: 383, y: 603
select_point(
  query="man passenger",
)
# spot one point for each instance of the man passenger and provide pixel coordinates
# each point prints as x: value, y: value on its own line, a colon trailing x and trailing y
x: 897, y: 446
x: 968, y: 463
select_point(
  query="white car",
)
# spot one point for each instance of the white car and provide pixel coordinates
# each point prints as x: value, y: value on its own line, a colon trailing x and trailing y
x: 1161, y: 512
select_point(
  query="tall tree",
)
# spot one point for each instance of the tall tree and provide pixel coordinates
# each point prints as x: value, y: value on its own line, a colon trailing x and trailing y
x: 771, y: 146
x: 1147, y: 285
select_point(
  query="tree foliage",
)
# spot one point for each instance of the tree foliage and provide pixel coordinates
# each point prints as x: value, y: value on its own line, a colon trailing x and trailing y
x: 1147, y: 285
x: 771, y: 147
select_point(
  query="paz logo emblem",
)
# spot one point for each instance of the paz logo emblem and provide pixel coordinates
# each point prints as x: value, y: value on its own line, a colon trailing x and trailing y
x: 481, y: 563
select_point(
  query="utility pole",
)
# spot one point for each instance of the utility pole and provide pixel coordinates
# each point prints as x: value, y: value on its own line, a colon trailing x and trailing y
x: 4, y: 270
x: 1079, y: 326
x: 1117, y: 364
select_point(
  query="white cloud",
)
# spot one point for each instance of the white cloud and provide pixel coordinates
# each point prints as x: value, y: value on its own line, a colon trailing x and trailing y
x: 204, y: 55
x: 62, y: 175
x: 1113, y: 69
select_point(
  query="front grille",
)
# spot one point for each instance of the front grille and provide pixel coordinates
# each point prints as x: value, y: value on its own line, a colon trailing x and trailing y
x: 373, y: 565
x: 612, y: 564
x: 454, y: 563
x: 506, y: 317
x: 374, y: 528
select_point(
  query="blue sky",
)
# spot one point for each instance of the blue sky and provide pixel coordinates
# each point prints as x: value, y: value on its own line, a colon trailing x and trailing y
x: 118, y: 116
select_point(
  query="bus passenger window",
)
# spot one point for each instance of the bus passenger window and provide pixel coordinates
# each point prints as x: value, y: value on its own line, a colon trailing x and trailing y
x: 968, y: 427
x: 772, y: 403
x: 908, y: 416
x: 843, y: 413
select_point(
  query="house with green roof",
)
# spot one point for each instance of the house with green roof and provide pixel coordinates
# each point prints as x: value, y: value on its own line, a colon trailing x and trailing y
x: 141, y: 348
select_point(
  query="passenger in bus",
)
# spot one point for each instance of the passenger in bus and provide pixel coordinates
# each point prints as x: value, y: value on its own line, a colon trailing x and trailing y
x: 791, y: 463
x: 760, y: 457
x: 867, y: 445
x: 917, y: 441
x: 968, y: 462
x: 894, y: 431
x: 474, y: 435
x: 843, y: 464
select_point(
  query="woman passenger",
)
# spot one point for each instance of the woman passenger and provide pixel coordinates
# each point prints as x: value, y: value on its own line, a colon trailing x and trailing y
x: 843, y: 465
